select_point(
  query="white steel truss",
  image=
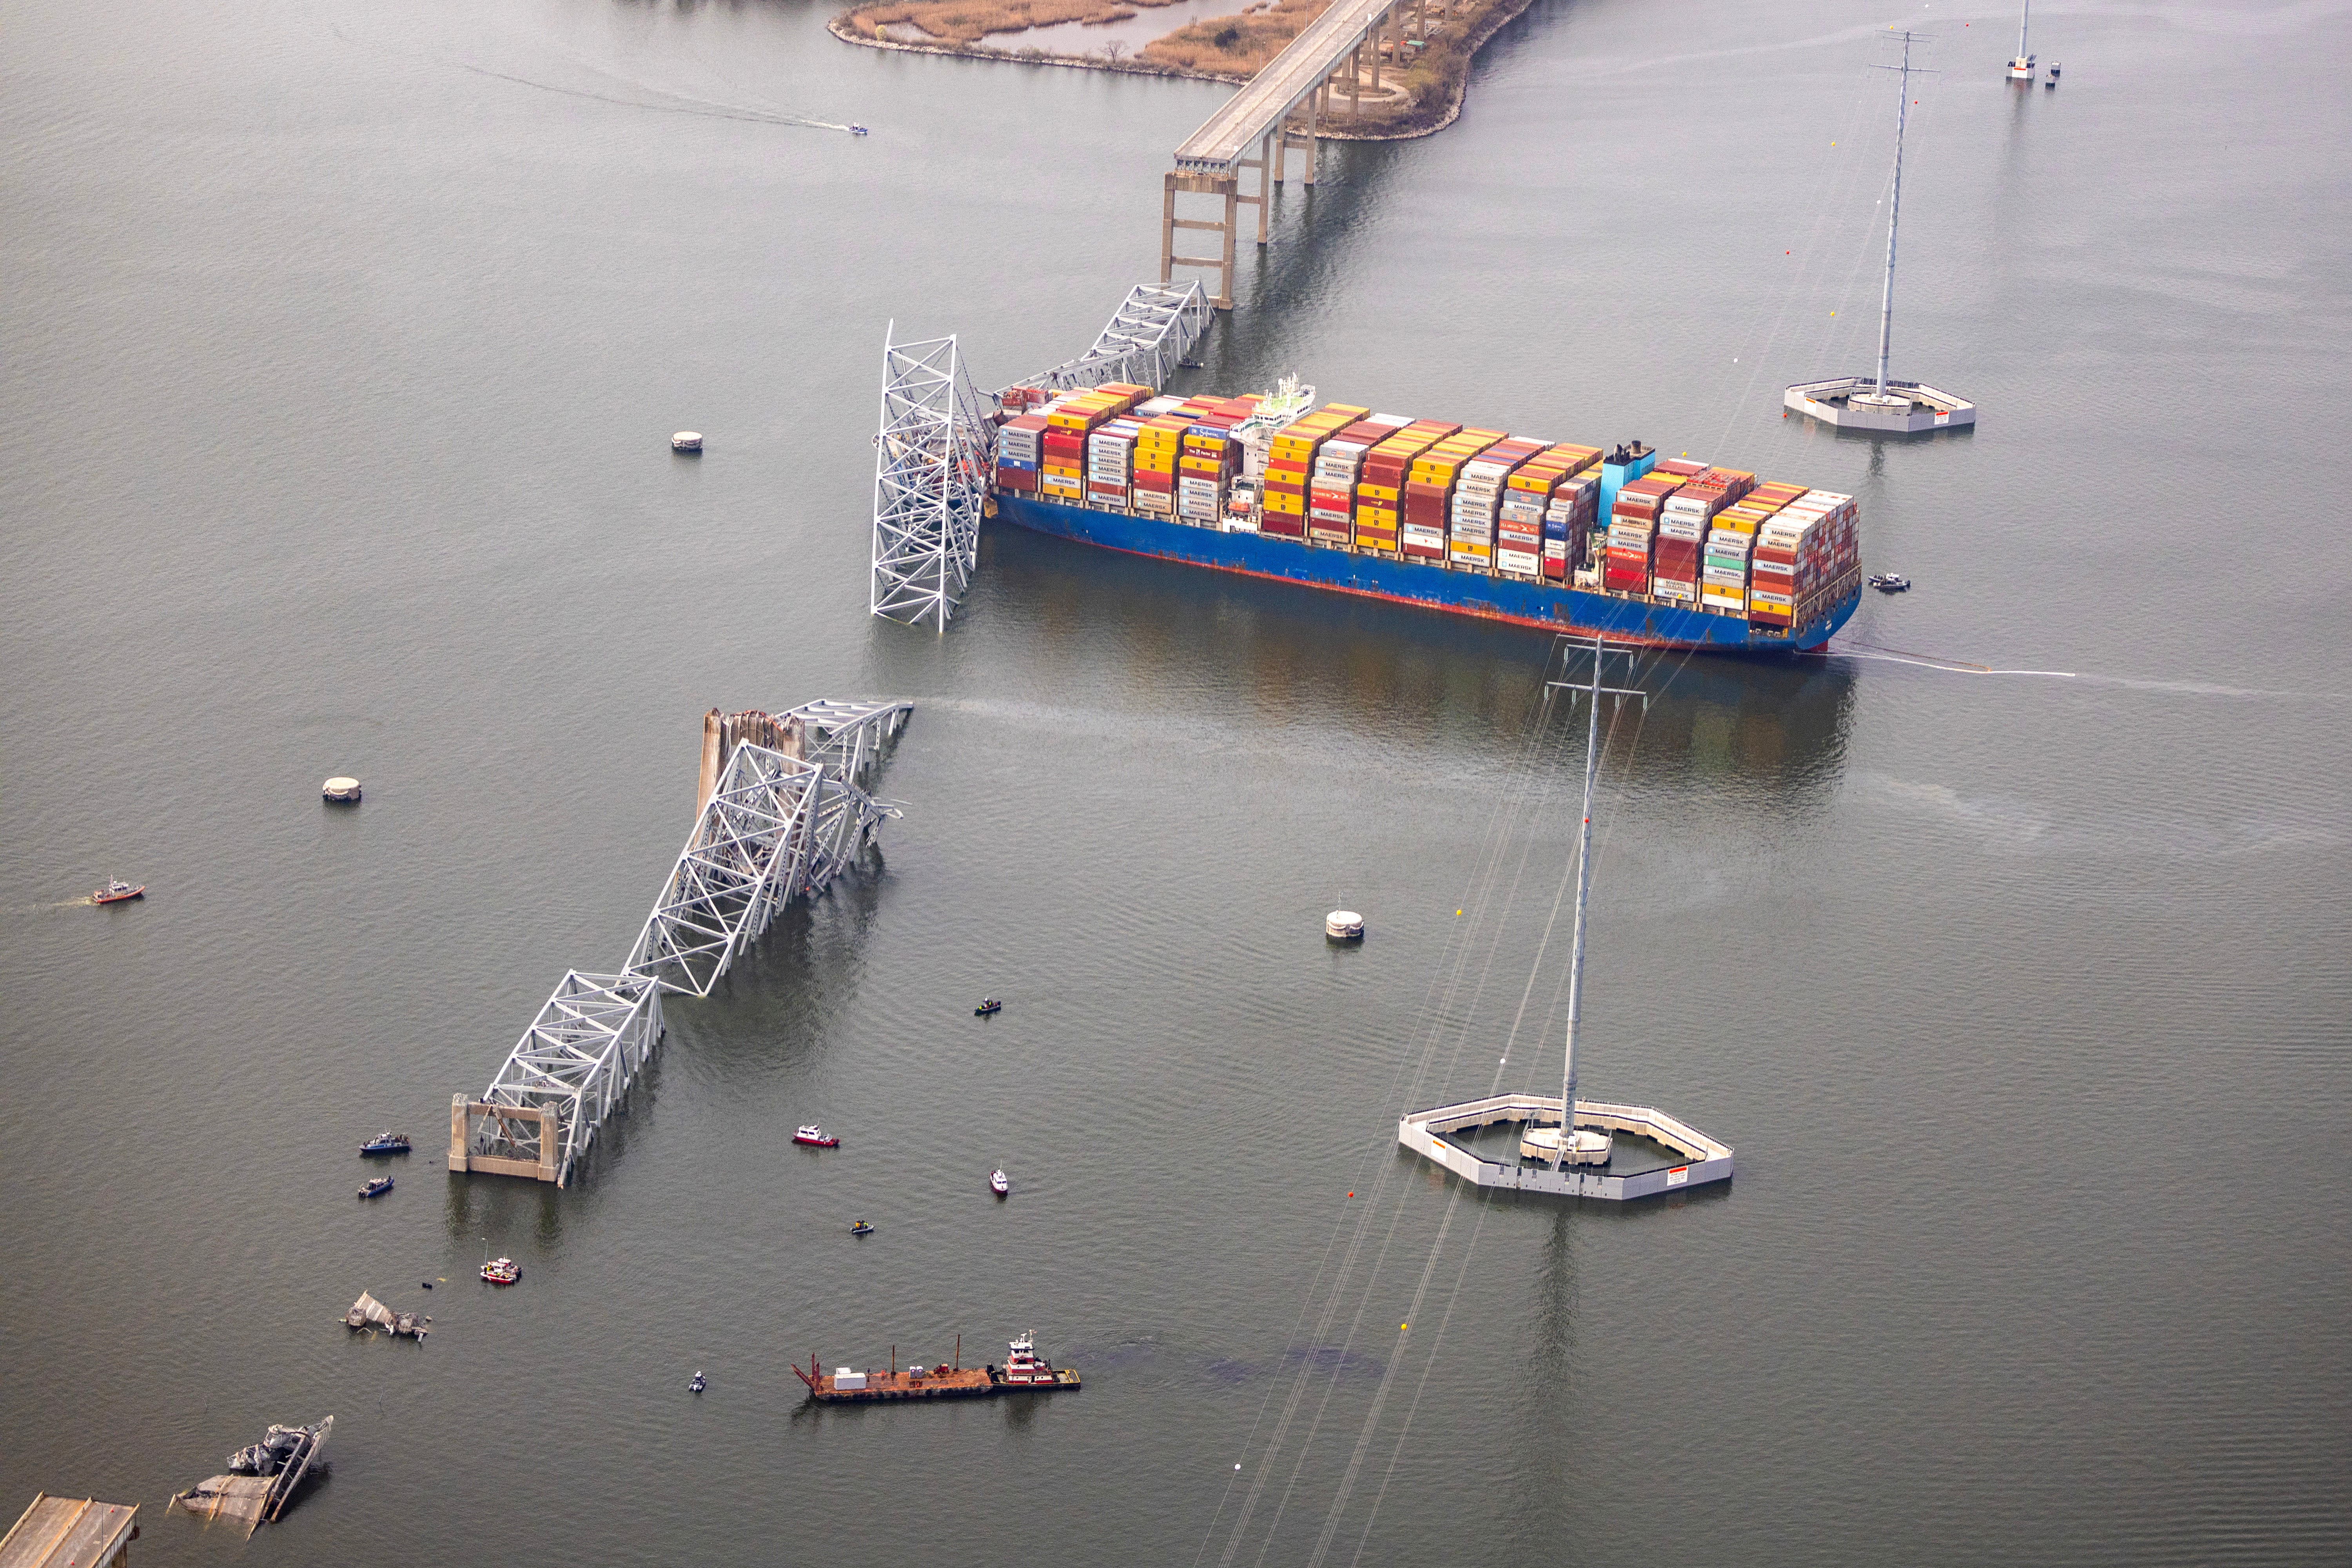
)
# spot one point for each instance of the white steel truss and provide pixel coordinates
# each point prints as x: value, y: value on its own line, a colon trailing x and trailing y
x: 573, y: 1064
x: 1145, y: 340
x: 775, y: 826
x: 931, y: 471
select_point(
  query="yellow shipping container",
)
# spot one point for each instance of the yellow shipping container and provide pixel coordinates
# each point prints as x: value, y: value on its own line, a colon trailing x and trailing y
x: 1290, y: 506
x: 1375, y: 517
x: 1376, y: 492
x: 1192, y: 464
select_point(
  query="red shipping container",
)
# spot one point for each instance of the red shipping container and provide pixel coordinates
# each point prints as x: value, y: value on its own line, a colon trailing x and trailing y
x: 1022, y: 479
x: 1164, y: 483
x: 1281, y: 525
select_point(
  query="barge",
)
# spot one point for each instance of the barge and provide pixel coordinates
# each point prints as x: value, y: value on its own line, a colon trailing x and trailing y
x: 1024, y: 1372
x: 1665, y: 554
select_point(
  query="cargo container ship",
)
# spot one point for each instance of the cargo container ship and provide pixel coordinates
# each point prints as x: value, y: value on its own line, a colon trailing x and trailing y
x: 1666, y: 552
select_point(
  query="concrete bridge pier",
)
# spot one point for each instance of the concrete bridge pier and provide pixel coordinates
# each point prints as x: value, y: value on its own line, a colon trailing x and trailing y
x: 1296, y: 85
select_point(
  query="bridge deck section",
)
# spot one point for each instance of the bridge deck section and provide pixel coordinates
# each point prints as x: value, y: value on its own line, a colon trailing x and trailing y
x: 1225, y: 137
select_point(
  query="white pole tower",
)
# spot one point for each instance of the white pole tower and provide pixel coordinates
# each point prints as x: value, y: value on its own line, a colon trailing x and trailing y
x: 1904, y: 71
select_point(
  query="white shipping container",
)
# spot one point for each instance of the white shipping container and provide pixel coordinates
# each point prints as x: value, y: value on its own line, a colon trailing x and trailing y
x: 1519, y: 562
x: 847, y: 1381
x: 1667, y: 588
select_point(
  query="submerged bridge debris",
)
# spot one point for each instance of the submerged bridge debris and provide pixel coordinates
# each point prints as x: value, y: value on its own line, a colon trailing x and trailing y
x: 784, y: 810
x: 263, y: 1478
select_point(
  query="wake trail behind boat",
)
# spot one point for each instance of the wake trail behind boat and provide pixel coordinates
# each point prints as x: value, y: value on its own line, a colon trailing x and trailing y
x: 2177, y: 687
x: 684, y: 103
x: 688, y: 106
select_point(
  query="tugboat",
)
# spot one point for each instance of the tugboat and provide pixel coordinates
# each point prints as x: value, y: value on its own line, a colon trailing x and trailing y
x: 501, y: 1271
x: 988, y: 1006
x: 1024, y: 1369
x: 1891, y: 582
x: 861, y: 1228
x: 118, y: 891
x: 386, y: 1143
x: 999, y: 1182
x: 857, y: 130
x: 376, y: 1188
x: 698, y: 1385
x: 815, y: 1137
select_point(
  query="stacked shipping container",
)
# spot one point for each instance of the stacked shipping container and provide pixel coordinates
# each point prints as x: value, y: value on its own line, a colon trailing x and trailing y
x: 1681, y: 532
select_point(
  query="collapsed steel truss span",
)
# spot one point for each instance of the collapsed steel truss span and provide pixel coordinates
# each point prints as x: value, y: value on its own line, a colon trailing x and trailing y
x: 778, y: 821
x: 1147, y: 337
x: 930, y: 479
x: 934, y: 458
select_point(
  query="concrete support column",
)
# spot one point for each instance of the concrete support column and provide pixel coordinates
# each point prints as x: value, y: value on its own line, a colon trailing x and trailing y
x: 1380, y: 36
x: 1227, y: 185
x: 1233, y: 227
x: 1355, y: 81
x: 1313, y: 99
x: 1265, y: 151
x: 458, y: 1132
x: 711, y: 724
x: 1168, y: 228
x: 550, y: 1148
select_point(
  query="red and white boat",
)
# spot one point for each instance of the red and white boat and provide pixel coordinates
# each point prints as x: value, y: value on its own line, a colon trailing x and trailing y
x: 1023, y: 1368
x: 501, y: 1271
x: 999, y: 1182
x: 118, y: 891
x: 816, y: 1137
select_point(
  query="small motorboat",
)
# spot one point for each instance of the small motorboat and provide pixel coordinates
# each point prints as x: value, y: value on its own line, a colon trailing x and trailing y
x: 501, y: 1271
x: 989, y: 1005
x: 861, y: 1228
x: 857, y: 130
x: 698, y: 1385
x: 376, y: 1188
x: 1891, y: 582
x: 999, y: 1182
x: 118, y: 891
x: 815, y: 1137
x: 386, y: 1143
x: 2054, y: 78
x: 1189, y: 364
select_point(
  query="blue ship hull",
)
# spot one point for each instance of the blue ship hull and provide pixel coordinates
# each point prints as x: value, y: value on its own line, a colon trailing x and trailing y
x: 1545, y: 605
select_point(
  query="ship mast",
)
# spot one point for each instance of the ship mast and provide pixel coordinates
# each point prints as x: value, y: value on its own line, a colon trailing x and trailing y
x: 1593, y: 693
x: 1895, y: 210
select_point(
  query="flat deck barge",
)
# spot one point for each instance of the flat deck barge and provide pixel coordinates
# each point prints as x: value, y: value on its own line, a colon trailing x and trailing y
x: 1024, y: 1372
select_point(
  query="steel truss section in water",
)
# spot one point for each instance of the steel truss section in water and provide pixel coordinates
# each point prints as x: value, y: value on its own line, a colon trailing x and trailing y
x: 775, y: 826
x: 564, y: 1076
x: 781, y: 820
x: 935, y: 456
x: 931, y: 471
x: 1150, y: 333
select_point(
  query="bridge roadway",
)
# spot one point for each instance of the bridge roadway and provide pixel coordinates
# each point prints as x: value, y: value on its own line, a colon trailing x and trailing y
x: 1219, y: 146
x: 1261, y: 117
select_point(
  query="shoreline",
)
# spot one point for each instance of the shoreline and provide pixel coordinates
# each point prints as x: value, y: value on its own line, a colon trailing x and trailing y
x: 1509, y: 11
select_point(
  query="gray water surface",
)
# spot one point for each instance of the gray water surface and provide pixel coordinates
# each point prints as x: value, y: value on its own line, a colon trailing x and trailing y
x: 342, y: 344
